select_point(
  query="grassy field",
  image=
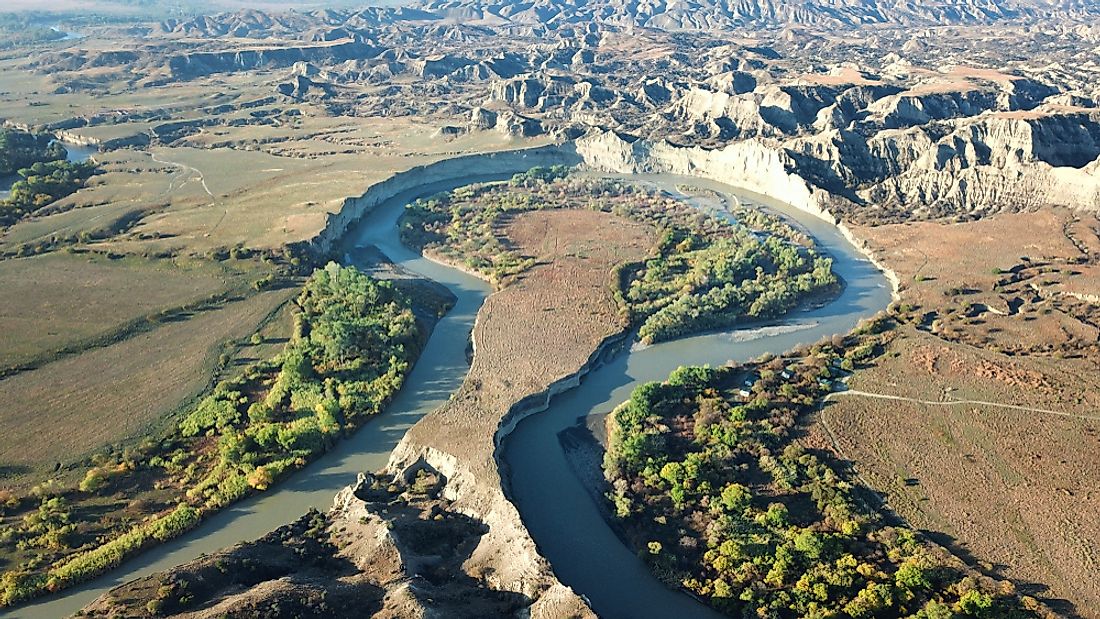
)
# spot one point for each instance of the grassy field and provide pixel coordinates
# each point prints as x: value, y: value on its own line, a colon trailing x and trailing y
x: 980, y: 422
x: 1014, y: 488
x: 272, y: 338
x: 73, y: 406
x: 59, y: 300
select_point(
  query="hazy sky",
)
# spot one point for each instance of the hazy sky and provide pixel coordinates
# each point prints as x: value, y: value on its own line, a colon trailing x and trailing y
x: 131, y: 6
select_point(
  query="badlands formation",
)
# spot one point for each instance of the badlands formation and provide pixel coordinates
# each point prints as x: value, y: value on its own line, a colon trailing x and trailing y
x: 861, y: 113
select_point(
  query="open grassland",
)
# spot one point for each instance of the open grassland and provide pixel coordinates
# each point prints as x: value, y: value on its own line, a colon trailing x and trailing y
x: 57, y: 301
x: 192, y: 200
x: 71, y: 407
x: 267, y: 342
x: 1015, y: 488
x: 980, y: 422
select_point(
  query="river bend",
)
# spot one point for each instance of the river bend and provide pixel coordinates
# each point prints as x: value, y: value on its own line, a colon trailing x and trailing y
x: 556, y: 508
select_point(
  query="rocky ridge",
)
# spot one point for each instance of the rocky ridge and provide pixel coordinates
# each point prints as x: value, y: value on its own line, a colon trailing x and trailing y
x: 927, y: 120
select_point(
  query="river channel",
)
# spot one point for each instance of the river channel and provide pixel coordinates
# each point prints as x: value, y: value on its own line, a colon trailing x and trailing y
x: 558, y: 510
x: 555, y: 506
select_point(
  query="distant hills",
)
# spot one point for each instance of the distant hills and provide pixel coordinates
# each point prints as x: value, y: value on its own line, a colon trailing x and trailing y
x: 694, y: 15
x: 728, y: 14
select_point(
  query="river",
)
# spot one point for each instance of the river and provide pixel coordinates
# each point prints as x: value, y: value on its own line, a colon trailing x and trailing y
x: 76, y: 154
x: 558, y: 510
x: 562, y: 517
x: 438, y: 372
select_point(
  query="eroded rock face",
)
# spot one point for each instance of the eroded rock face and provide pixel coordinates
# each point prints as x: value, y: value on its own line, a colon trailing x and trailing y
x: 298, y: 570
x: 388, y: 548
x: 894, y: 119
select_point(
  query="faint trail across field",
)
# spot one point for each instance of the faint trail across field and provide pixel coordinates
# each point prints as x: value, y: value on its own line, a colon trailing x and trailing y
x: 881, y: 396
x: 202, y: 180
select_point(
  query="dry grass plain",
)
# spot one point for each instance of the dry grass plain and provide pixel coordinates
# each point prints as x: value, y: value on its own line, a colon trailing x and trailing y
x: 993, y: 439
x: 59, y: 300
x: 233, y: 164
x: 998, y: 283
x: 71, y: 407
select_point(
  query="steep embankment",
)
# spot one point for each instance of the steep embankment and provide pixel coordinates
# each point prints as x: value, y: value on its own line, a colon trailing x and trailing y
x: 470, y: 167
x: 751, y: 165
x: 531, y: 339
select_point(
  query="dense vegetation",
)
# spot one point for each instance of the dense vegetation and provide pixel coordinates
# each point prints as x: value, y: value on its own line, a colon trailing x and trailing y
x: 354, y: 341
x: 19, y: 149
x: 720, y: 500
x: 42, y: 184
x: 706, y: 272
x: 46, y: 175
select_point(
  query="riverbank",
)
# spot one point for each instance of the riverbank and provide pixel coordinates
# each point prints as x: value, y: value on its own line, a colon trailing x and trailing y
x: 438, y: 371
x: 559, y: 511
x: 379, y: 230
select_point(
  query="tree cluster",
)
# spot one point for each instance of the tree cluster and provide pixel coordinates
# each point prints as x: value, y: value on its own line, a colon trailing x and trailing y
x: 706, y: 272
x: 46, y: 176
x: 19, y: 150
x: 720, y: 500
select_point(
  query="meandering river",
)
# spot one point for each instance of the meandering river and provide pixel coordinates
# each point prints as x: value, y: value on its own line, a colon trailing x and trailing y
x: 557, y: 509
